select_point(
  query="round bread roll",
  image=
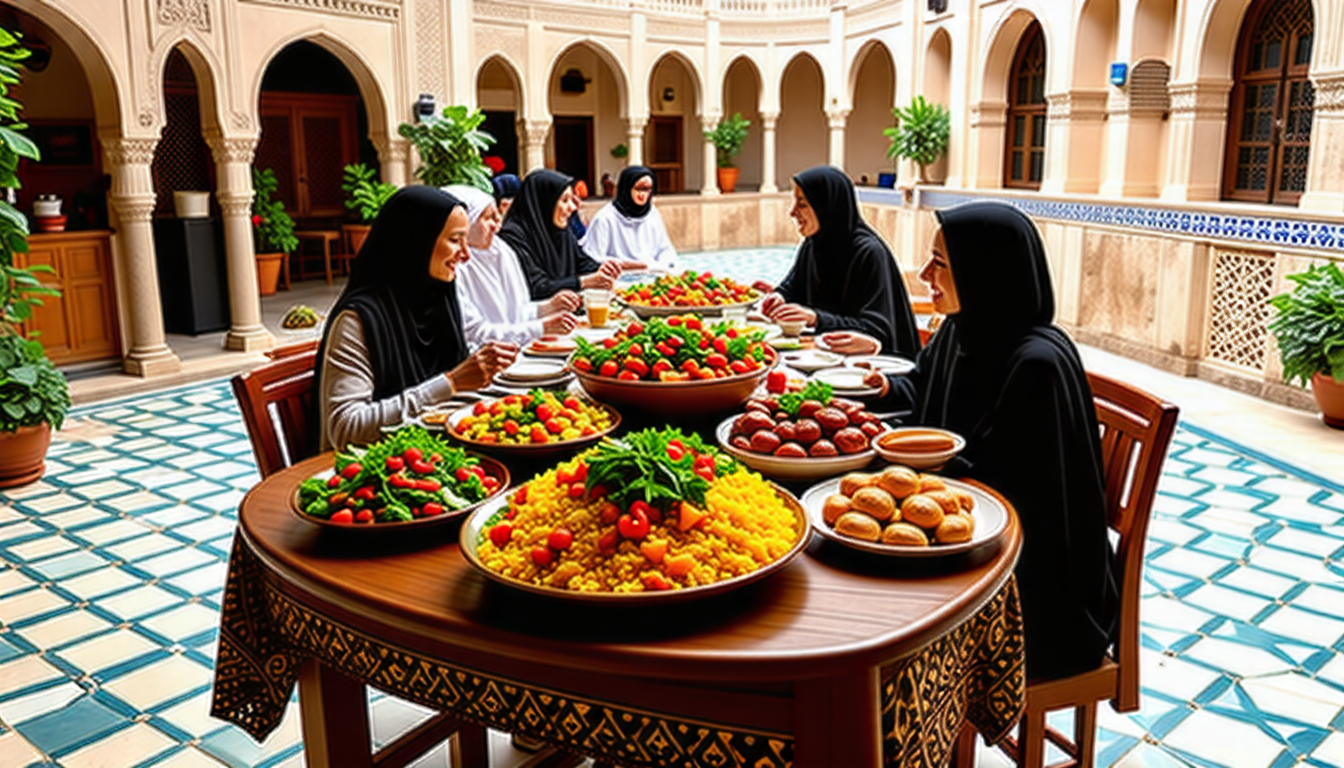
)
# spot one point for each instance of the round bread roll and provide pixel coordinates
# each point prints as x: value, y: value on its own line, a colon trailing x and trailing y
x: 922, y: 511
x: 834, y: 506
x: 955, y: 529
x: 851, y: 483
x: 875, y: 502
x: 859, y: 526
x: 947, y: 500
x: 906, y: 534
x: 898, y: 481
x: 964, y: 498
x: 931, y: 483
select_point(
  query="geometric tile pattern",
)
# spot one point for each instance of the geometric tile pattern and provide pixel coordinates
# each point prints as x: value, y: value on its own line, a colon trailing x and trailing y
x: 1238, y: 307
x: 110, y: 563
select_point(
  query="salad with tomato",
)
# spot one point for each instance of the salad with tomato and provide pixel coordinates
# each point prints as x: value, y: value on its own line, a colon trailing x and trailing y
x: 677, y: 348
x: 536, y: 418
x: 688, y: 289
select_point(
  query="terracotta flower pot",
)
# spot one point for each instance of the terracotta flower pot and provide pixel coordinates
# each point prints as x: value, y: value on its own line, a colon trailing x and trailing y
x: 23, y: 455
x: 728, y: 180
x: 268, y: 272
x: 1329, y: 398
x: 355, y: 235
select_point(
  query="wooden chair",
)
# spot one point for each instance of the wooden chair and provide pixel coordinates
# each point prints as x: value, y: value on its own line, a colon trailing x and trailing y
x: 275, y: 401
x: 1136, y: 431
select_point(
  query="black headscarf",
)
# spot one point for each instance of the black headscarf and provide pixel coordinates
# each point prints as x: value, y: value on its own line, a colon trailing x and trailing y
x: 411, y: 321
x: 550, y: 256
x: 506, y: 187
x: 998, y: 373
x: 625, y: 189
x: 845, y: 273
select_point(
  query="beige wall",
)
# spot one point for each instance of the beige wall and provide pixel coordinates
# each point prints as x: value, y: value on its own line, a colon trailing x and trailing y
x: 874, y: 96
x: 803, y: 136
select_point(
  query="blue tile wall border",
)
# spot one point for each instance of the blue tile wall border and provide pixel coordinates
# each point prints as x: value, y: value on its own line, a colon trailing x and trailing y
x: 1259, y: 230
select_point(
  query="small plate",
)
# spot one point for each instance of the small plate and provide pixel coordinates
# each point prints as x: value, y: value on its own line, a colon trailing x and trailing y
x: 846, y: 381
x: 990, y: 520
x: 809, y: 360
x: 927, y: 460
x: 517, y: 385
x: 888, y: 364
x: 527, y: 371
x: 550, y: 346
x: 783, y: 343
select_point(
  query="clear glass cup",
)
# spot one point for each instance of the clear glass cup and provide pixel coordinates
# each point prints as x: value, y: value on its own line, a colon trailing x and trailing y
x: 597, y: 305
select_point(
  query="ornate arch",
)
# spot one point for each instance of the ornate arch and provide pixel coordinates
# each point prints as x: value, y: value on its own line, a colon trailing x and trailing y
x: 514, y: 73
x: 608, y: 57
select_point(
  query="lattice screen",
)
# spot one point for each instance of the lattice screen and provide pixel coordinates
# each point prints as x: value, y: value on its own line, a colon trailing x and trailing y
x: 1238, y: 311
x: 182, y: 159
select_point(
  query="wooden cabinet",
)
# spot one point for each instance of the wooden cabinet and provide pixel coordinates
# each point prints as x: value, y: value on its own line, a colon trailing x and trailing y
x: 308, y: 139
x: 81, y: 325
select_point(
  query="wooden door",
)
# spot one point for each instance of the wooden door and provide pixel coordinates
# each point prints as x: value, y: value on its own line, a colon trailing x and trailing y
x: 308, y: 139
x: 665, y: 153
x: 1024, y: 156
x: 574, y: 147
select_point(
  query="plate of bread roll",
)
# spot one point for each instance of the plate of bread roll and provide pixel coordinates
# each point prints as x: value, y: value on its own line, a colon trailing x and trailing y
x: 901, y: 511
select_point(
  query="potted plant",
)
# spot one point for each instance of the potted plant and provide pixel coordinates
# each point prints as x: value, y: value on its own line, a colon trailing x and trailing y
x: 921, y: 133
x: 274, y: 230
x: 365, y: 197
x: 727, y: 138
x: 34, y: 395
x: 450, y: 146
x: 1309, y: 327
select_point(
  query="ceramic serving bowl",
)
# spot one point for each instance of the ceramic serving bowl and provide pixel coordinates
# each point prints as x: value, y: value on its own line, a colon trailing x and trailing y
x: 915, y: 446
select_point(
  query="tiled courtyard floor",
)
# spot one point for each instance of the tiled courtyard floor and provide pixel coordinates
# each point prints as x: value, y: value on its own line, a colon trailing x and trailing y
x: 113, y: 567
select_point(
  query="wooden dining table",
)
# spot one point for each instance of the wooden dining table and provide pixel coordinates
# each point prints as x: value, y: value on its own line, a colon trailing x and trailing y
x: 839, y: 658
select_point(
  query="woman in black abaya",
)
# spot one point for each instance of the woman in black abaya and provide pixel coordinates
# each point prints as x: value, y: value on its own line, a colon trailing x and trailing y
x: 844, y: 278
x: 536, y: 228
x: 999, y: 373
x: 393, y: 346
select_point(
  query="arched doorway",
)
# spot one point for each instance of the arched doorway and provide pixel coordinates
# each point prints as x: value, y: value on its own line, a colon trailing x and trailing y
x: 873, y: 94
x: 672, y: 142
x: 803, y: 135
x: 1024, y: 152
x: 742, y: 95
x: 1270, y: 107
x: 499, y: 97
x: 586, y: 103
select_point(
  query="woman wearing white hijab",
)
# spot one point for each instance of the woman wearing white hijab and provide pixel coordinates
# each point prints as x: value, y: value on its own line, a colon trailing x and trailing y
x: 493, y: 291
x: 630, y: 230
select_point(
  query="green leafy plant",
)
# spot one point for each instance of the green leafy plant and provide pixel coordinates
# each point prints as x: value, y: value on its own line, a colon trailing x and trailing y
x: 275, y: 229
x: 450, y: 147
x: 366, y: 194
x: 620, y: 151
x: 33, y: 391
x: 1309, y: 324
x: 728, y: 137
x: 921, y: 132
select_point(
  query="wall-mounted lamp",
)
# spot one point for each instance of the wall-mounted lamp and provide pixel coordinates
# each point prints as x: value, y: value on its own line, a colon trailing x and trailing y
x: 669, y: 94
x: 1118, y: 71
x: 424, y: 107
x: 573, y: 81
x: 937, y: 6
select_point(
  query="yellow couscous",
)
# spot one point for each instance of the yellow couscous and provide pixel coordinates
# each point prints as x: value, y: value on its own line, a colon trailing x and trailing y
x: 745, y: 527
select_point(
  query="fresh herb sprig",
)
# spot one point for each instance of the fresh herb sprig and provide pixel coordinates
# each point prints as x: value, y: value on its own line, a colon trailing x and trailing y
x: 639, y: 467
x: 789, y: 402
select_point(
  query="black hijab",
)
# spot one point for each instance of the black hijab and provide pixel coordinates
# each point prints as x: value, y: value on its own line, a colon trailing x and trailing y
x: 411, y: 321
x: 550, y: 256
x: 845, y: 272
x: 998, y: 373
x: 625, y: 192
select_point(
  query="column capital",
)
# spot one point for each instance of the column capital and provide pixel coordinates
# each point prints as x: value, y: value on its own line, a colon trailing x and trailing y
x: 536, y: 131
x: 234, y: 203
x: 122, y: 150
x: 1079, y: 105
x: 989, y: 114
x: 710, y: 122
x: 1329, y: 92
x: 636, y: 124
x: 231, y: 149
x: 1205, y: 98
x: 391, y: 149
x: 132, y: 207
x: 768, y: 120
x: 836, y: 118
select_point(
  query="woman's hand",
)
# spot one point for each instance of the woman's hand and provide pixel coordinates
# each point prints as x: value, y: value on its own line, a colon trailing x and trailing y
x: 477, y: 371
x: 611, y: 269
x: 796, y: 312
x: 562, y: 301
x: 770, y: 302
x: 877, y: 379
x: 559, y: 323
x: 598, y: 279
x: 763, y: 286
x: 633, y: 266
x: 851, y: 343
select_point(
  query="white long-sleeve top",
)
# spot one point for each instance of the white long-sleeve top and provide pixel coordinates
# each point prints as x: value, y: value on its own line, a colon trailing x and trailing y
x: 493, y: 294
x: 346, y: 406
x: 614, y: 236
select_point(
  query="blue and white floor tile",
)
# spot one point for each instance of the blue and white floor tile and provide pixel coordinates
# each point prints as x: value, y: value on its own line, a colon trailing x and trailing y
x: 112, y: 568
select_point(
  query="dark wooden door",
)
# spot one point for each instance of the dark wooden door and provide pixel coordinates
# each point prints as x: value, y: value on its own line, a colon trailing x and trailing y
x: 308, y: 139
x: 1024, y: 155
x: 665, y: 153
x: 504, y: 127
x: 574, y: 148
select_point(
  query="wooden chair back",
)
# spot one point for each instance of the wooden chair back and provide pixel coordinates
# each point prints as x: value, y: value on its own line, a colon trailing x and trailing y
x: 275, y: 401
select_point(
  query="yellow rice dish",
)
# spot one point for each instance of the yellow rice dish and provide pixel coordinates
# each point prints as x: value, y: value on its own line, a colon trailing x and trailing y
x: 745, y: 526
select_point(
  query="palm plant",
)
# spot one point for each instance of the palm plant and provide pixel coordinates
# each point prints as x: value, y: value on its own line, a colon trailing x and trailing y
x: 450, y: 147
x: 921, y: 133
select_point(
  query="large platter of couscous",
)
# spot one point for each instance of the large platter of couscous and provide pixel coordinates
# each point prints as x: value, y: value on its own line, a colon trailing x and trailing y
x: 564, y: 533
x: 534, y: 424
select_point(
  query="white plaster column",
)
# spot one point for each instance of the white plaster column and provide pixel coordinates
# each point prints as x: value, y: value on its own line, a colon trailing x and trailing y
x: 634, y: 139
x: 1197, y: 129
x: 710, y: 186
x: 1135, y: 146
x: 132, y: 201
x: 233, y: 168
x: 534, y: 133
x: 1075, y: 125
x: 988, y: 119
x: 1325, y: 173
x: 394, y: 154
x: 768, y: 121
x: 836, y: 119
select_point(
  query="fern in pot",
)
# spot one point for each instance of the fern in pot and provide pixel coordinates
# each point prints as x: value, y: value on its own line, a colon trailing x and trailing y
x: 34, y: 395
x: 1309, y: 327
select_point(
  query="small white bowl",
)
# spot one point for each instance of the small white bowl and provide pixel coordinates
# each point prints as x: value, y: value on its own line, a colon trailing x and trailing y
x: 918, y: 459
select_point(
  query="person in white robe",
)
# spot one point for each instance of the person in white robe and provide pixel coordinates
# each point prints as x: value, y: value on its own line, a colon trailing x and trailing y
x: 629, y: 230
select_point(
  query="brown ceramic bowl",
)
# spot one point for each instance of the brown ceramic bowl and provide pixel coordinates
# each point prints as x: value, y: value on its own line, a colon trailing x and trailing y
x: 679, y: 398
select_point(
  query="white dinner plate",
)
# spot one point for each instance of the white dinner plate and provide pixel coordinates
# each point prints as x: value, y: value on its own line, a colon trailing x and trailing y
x: 846, y: 381
x: 889, y: 364
x: 808, y: 360
x: 561, y: 347
x: 991, y: 518
x: 532, y: 370
x: 516, y: 385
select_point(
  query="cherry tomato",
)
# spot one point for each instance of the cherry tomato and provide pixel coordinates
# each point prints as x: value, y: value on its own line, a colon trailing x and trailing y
x: 609, y: 368
x: 335, y: 481
x: 545, y: 412
x: 675, y: 452
x: 364, y: 516
x: 776, y: 382
x: 480, y: 409
x: 542, y: 555
x: 343, y: 516
x: 560, y: 539
x: 500, y: 533
x: 422, y: 467
x: 351, y: 469
x: 432, y: 508
x: 413, y: 454
x: 394, y: 463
